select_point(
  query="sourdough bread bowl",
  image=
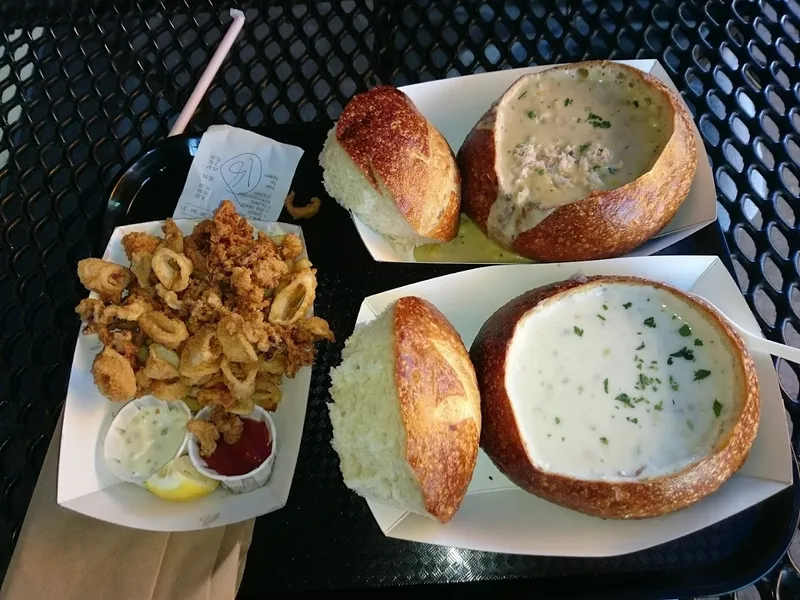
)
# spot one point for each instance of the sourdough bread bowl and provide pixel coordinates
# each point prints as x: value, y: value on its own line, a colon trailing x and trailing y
x: 384, y: 161
x: 406, y: 411
x: 615, y: 396
x: 578, y: 162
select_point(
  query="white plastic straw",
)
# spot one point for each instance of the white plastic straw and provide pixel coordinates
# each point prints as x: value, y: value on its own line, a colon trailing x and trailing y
x: 208, y: 75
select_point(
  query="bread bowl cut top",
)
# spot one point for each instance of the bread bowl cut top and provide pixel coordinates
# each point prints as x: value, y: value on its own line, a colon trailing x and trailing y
x: 579, y: 162
x: 615, y: 396
x: 389, y: 165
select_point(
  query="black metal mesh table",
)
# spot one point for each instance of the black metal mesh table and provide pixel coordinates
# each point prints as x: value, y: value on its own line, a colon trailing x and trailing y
x: 83, y: 91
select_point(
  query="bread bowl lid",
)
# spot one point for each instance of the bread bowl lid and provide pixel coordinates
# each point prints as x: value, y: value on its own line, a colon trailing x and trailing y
x: 454, y: 105
x: 499, y: 517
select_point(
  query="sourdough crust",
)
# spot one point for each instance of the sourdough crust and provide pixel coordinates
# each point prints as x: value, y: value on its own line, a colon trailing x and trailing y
x: 401, y: 153
x: 603, y: 224
x: 439, y: 403
x: 502, y: 441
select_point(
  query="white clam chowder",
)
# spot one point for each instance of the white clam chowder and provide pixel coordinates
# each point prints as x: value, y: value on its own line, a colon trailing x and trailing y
x: 620, y: 382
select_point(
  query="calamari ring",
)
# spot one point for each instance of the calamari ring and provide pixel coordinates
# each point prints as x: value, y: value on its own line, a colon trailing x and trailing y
x: 162, y: 363
x: 268, y: 394
x: 114, y: 376
x: 294, y: 301
x: 244, y: 386
x: 302, y: 212
x: 169, y: 391
x: 170, y: 298
x: 163, y: 330
x: 234, y: 344
x: 202, y: 354
x: 106, y: 278
x: 172, y: 269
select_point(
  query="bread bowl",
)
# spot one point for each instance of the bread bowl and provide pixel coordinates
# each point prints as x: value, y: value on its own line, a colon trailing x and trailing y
x: 389, y: 165
x: 406, y: 411
x: 615, y: 396
x: 578, y: 162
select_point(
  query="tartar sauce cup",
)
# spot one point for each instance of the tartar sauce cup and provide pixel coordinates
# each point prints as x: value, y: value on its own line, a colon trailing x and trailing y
x: 117, y: 441
x: 238, y: 483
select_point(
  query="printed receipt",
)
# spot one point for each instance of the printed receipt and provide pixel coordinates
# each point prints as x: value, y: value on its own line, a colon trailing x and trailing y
x: 252, y: 171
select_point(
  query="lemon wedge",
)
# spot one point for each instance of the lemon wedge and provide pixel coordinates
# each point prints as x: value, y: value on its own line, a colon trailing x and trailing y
x: 179, y: 481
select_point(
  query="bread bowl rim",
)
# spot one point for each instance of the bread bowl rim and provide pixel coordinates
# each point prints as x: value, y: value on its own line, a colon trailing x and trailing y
x: 640, y: 498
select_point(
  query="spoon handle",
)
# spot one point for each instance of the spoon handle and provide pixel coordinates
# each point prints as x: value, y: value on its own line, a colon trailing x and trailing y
x: 775, y: 349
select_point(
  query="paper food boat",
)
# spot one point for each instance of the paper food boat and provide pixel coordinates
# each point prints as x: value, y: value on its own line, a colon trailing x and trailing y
x: 498, y: 516
x: 454, y: 106
x: 85, y: 484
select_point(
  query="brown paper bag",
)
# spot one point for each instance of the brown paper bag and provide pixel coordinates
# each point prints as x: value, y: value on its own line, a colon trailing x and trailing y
x: 63, y: 554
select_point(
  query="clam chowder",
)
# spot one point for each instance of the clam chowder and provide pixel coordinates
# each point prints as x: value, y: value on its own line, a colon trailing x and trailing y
x: 565, y: 133
x: 618, y: 382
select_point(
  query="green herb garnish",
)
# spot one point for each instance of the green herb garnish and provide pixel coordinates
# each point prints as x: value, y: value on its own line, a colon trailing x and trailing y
x: 643, y: 382
x: 659, y: 406
x: 605, y: 384
x: 597, y: 121
x: 531, y: 114
x: 522, y: 95
x: 690, y: 424
x: 558, y: 420
x: 612, y: 170
x: 701, y: 374
x: 636, y: 103
x: 578, y: 331
x: 625, y: 399
x: 604, y: 440
x: 685, y: 331
x: 583, y: 148
x: 540, y: 171
x: 634, y: 420
x: 605, y: 306
x: 717, y: 407
x: 640, y: 346
x: 650, y: 322
x: 568, y: 101
x: 672, y: 383
x: 627, y: 305
x: 698, y: 342
x: 601, y: 317
x: 682, y: 353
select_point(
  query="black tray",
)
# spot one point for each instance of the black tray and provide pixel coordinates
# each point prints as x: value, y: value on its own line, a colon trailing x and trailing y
x: 326, y: 538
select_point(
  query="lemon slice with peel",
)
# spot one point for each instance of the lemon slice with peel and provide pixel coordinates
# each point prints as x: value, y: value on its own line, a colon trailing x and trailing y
x: 179, y: 481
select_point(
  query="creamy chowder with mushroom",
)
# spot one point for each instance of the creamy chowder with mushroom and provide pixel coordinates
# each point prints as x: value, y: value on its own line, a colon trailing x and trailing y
x: 565, y: 133
x: 619, y: 382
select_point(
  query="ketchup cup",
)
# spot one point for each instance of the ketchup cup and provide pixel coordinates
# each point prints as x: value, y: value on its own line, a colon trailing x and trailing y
x: 237, y: 483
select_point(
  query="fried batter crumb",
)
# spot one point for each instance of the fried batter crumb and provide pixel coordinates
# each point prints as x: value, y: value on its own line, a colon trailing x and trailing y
x: 206, y: 433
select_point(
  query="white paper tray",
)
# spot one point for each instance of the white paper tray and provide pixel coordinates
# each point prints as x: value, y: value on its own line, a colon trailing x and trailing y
x: 499, y: 517
x: 454, y: 106
x: 85, y: 484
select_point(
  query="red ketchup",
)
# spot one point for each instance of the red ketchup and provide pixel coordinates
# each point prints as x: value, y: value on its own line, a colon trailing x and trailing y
x: 247, y: 454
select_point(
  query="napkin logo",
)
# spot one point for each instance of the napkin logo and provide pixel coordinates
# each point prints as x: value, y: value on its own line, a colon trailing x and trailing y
x: 241, y: 174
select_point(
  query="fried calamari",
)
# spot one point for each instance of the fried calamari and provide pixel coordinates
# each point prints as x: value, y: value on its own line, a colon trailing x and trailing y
x: 216, y: 318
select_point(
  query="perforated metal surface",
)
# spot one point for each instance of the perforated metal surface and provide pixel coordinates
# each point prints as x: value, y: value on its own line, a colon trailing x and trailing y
x: 82, y: 92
